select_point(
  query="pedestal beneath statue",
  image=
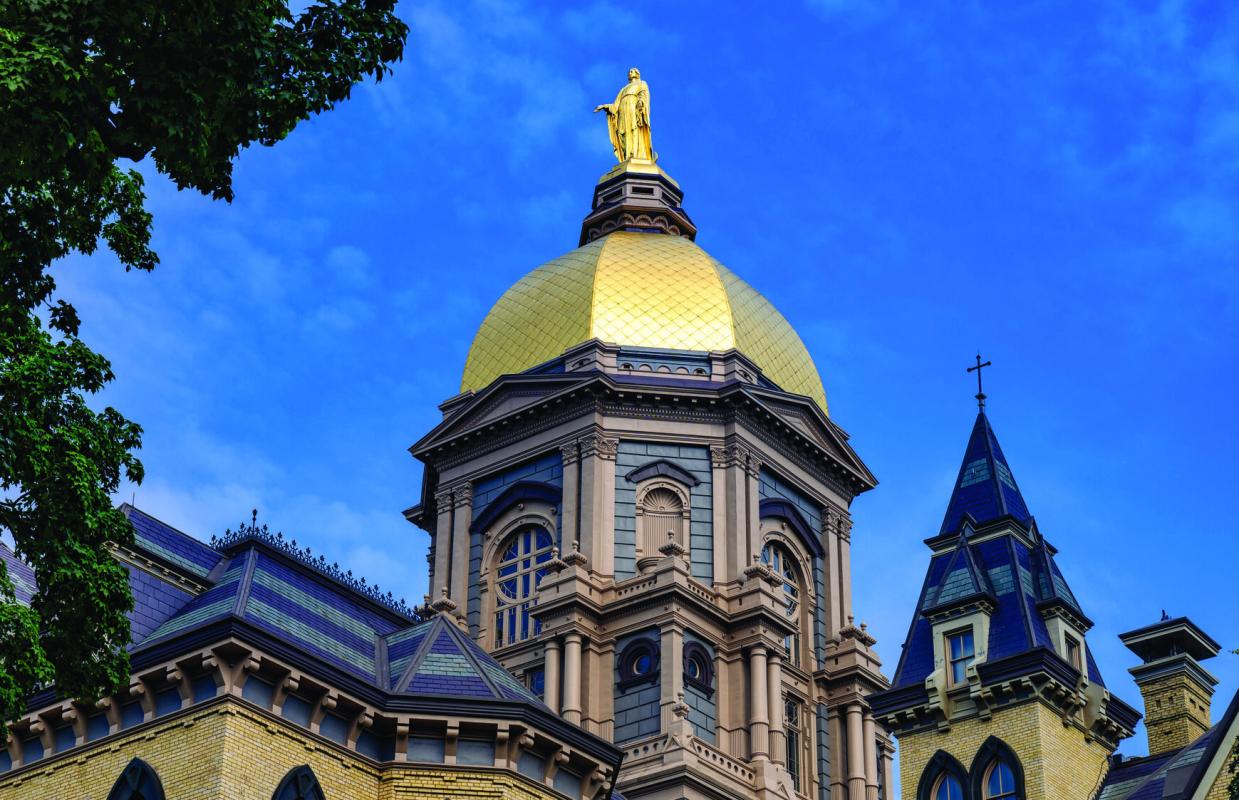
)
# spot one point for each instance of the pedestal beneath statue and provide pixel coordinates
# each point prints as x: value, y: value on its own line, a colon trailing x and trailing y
x: 637, y: 196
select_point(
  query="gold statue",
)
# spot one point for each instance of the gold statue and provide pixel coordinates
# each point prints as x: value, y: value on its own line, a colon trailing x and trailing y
x: 628, y: 120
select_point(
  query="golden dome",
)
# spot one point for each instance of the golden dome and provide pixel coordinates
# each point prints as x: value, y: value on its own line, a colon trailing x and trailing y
x: 639, y: 290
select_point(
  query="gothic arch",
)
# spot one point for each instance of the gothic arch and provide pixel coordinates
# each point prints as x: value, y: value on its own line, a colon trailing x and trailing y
x: 137, y: 782
x: 299, y: 784
x: 991, y: 751
x: 941, y: 764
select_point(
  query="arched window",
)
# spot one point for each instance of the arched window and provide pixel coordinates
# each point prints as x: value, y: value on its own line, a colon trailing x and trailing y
x: 520, y: 568
x: 1000, y: 782
x: 299, y: 784
x: 943, y: 779
x: 783, y: 563
x: 996, y: 772
x: 137, y: 782
x: 948, y: 788
x: 698, y: 668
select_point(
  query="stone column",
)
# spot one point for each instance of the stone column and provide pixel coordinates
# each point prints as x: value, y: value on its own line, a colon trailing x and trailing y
x: 597, y: 491
x: 570, y: 505
x: 550, y: 675
x: 871, y: 756
x: 759, y: 695
x: 462, y: 516
x: 845, y: 568
x: 440, y: 573
x: 718, y: 485
x: 734, y: 536
x: 671, y: 673
x: 778, y: 736
x: 572, y: 678
x: 856, y: 751
x: 888, y: 770
x: 834, y: 581
x: 838, y: 751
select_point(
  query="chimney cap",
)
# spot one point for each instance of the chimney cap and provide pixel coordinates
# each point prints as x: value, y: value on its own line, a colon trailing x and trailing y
x: 1170, y: 637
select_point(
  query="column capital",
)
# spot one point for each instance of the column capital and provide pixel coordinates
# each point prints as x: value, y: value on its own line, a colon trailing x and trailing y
x: 595, y: 444
x: 570, y: 452
x: 443, y: 498
x: 462, y: 494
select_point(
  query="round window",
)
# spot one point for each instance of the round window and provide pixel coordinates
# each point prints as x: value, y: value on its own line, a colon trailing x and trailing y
x: 643, y: 664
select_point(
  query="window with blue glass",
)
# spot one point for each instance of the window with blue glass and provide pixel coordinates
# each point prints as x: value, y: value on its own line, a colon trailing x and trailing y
x: 1000, y: 782
x: 775, y: 556
x: 638, y: 663
x: 137, y: 782
x: 996, y: 772
x: 949, y: 788
x: 536, y: 679
x: 520, y: 568
x: 944, y: 778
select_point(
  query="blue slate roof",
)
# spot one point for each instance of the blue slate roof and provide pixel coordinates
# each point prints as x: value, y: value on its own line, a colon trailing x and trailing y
x: 20, y: 574
x: 170, y: 545
x: 446, y: 662
x: 1146, y: 778
x: 985, y: 489
x: 304, y: 608
x: 1015, y: 578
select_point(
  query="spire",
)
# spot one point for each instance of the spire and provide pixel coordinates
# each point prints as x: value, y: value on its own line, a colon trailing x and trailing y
x: 985, y: 489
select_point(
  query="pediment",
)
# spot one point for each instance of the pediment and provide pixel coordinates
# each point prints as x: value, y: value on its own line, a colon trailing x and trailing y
x: 804, y: 419
x: 501, y: 399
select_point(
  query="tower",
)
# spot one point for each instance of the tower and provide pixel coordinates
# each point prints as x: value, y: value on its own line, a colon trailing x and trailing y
x: 996, y: 694
x: 1177, y: 691
x: 640, y: 507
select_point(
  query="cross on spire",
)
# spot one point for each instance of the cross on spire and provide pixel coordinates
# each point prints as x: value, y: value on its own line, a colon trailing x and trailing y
x: 977, y: 369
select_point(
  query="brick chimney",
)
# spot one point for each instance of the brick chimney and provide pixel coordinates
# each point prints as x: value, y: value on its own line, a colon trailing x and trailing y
x: 1176, y: 689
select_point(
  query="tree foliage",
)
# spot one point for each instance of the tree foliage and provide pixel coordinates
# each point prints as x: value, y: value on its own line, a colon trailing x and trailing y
x: 86, y: 86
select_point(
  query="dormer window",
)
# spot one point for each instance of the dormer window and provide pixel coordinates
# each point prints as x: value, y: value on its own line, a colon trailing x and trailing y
x: 961, y: 651
x: 1074, y: 653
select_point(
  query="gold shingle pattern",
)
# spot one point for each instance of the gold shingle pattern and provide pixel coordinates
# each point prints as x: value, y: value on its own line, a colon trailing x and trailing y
x: 640, y: 290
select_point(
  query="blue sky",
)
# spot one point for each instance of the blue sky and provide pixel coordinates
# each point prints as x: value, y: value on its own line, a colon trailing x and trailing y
x: 1054, y: 184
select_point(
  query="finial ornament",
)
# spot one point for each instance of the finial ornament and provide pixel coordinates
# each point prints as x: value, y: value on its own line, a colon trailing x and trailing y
x: 977, y: 369
x: 628, y: 121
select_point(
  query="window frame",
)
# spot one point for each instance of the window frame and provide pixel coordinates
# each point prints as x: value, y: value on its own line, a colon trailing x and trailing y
x: 792, y: 730
x: 988, y: 755
x: 793, y: 644
x: 627, y: 660
x: 697, y: 652
x: 951, y: 659
x: 516, y: 610
x: 1073, y: 652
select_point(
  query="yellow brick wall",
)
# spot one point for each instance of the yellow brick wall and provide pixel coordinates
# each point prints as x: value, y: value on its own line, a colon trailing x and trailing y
x: 228, y: 751
x: 1058, y: 763
x: 1176, y: 712
x: 1221, y: 786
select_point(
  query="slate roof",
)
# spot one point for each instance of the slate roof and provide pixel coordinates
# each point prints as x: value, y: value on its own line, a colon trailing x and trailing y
x: 985, y: 489
x: 304, y: 609
x: 1016, y: 578
x: 1175, y: 775
x: 443, y: 661
x: 170, y: 545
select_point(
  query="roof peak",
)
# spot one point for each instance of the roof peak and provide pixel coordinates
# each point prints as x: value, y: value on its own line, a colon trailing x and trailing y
x: 985, y: 489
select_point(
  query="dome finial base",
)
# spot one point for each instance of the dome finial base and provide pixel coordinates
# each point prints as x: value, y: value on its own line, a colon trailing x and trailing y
x: 637, y: 196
